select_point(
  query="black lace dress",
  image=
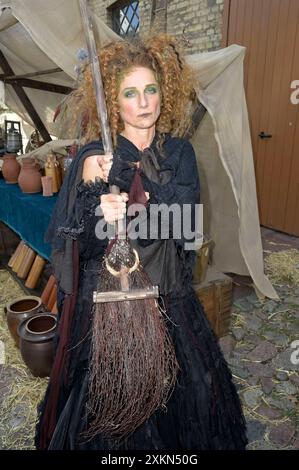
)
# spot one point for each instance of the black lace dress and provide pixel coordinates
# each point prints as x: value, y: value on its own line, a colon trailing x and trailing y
x: 204, y: 410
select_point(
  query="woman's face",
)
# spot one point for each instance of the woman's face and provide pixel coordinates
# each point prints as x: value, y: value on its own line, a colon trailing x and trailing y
x: 139, y: 99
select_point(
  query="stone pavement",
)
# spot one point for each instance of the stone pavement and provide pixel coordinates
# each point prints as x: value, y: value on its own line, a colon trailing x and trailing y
x: 262, y: 351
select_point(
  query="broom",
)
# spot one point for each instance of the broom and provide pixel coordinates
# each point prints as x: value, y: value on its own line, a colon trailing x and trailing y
x: 133, y: 366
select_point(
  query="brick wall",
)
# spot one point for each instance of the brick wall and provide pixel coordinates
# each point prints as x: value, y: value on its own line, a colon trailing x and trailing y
x: 100, y: 8
x: 200, y: 20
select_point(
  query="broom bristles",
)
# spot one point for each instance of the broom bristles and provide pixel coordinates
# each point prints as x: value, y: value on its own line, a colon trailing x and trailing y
x: 133, y: 365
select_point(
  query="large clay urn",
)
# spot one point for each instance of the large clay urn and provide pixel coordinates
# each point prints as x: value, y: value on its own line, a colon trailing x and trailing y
x: 37, y: 343
x: 21, y: 309
x: 30, y: 178
x: 10, y: 168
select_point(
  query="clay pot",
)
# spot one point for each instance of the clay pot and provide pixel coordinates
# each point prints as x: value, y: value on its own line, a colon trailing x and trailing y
x: 10, y: 168
x: 19, y: 310
x: 36, y: 343
x: 30, y: 178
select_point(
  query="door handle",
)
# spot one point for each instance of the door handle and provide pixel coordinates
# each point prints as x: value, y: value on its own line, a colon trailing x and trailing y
x: 262, y: 135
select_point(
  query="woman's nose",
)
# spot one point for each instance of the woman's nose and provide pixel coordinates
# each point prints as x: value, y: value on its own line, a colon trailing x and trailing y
x: 143, y: 100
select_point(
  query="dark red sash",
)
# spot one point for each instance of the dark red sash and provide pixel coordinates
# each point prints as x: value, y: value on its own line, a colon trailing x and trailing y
x: 59, y: 373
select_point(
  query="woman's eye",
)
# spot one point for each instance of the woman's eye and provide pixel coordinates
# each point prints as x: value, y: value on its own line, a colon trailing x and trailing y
x: 129, y: 93
x: 151, y: 90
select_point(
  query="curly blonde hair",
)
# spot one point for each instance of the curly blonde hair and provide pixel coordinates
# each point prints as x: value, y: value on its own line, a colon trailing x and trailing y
x: 163, y: 55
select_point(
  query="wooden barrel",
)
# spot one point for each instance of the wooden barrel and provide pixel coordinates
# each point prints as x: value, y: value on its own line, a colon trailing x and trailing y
x: 19, y: 260
x: 35, y: 272
x: 48, y: 289
x: 54, y: 309
x: 26, y: 263
x: 15, y: 254
x: 52, y: 298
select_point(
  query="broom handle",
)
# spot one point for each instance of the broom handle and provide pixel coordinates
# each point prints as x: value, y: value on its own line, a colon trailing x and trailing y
x: 100, y: 95
x: 96, y: 76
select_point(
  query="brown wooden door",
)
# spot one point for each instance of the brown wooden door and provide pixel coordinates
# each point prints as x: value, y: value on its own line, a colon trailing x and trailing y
x: 269, y: 29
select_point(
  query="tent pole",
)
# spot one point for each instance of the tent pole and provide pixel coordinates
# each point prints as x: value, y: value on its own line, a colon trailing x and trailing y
x: 38, y: 123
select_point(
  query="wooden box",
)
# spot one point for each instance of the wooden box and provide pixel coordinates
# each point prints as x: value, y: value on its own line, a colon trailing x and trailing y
x: 215, y: 295
x: 201, y: 260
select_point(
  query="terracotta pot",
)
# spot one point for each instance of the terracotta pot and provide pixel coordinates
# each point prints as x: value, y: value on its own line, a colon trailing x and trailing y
x: 30, y: 178
x: 36, y: 343
x: 18, y: 310
x: 10, y: 168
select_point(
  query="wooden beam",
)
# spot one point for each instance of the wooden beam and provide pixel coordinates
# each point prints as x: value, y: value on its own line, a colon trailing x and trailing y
x: 225, y: 23
x: 198, y: 113
x: 25, y: 101
x: 28, y: 83
x: 3, y: 76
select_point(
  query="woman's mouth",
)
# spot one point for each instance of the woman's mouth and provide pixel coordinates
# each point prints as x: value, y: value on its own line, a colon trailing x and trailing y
x: 144, y: 115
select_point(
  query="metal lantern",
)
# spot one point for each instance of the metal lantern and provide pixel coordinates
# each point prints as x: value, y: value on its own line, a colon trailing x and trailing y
x: 13, y: 140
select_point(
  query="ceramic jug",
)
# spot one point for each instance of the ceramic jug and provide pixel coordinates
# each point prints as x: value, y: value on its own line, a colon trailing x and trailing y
x: 18, y: 310
x: 10, y: 168
x: 30, y: 178
x: 37, y: 343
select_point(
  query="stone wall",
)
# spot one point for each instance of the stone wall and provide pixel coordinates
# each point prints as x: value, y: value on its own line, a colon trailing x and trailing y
x: 199, y: 20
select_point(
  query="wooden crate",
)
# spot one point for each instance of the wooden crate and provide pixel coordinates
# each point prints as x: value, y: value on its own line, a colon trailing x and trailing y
x: 201, y: 260
x: 215, y: 295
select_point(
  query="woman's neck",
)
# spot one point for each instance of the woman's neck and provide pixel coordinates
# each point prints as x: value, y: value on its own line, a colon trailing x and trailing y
x: 141, y: 138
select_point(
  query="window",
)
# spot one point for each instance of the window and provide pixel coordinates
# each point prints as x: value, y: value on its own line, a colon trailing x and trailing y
x: 125, y: 18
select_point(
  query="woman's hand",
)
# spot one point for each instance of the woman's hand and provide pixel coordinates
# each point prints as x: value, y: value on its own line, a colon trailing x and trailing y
x: 97, y: 166
x: 114, y: 206
x: 105, y: 163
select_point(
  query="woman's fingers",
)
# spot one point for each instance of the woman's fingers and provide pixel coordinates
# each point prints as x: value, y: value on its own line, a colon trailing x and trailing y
x: 114, y: 206
x: 106, y: 167
x: 113, y: 216
x: 104, y: 159
x: 107, y: 198
x: 125, y: 197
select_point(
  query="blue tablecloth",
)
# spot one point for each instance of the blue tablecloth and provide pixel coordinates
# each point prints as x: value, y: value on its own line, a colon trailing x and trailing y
x: 27, y: 214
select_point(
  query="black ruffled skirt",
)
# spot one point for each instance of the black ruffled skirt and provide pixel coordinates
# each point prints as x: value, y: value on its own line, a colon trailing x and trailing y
x: 204, y: 410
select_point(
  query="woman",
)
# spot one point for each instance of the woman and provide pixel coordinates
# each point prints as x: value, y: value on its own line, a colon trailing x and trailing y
x: 148, y: 90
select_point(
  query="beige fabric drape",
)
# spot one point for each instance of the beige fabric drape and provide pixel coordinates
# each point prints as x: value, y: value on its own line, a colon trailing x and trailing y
x: 225, y: 161
x: 49, y: 33
x: 40, y: 35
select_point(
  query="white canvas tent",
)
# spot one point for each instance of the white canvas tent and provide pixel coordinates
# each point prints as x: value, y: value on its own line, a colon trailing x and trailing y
x: 37, y: 36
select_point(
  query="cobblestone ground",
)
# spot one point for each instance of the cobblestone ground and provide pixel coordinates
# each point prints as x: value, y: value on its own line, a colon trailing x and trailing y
x: 261, y: 352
